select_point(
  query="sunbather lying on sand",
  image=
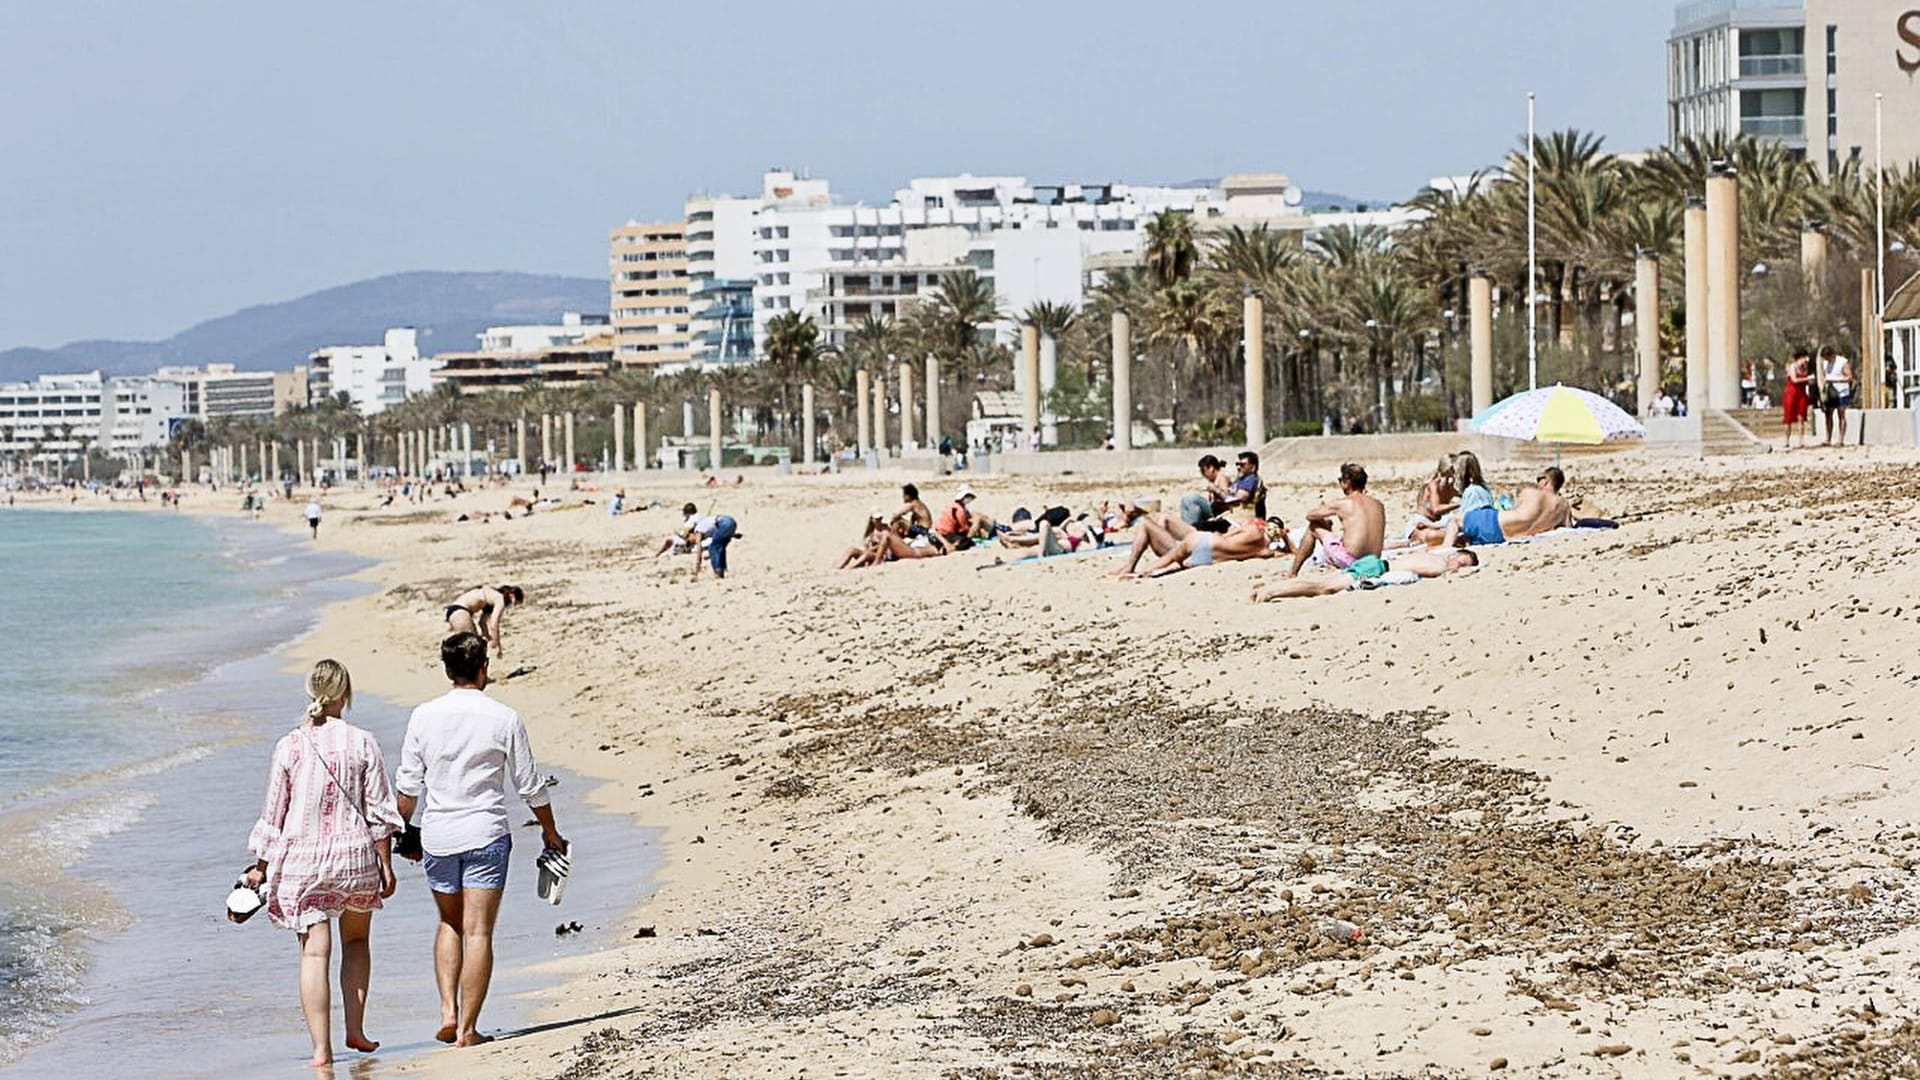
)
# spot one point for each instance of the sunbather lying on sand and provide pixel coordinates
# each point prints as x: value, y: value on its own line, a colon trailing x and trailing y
x: 1082, y: 531
x: 1426, y: 564
x: 1535, y: 510
x: 1251, y: 539
x: 1538, y: 509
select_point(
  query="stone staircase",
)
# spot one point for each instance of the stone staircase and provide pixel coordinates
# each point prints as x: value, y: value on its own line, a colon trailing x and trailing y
x: 1724, y: 433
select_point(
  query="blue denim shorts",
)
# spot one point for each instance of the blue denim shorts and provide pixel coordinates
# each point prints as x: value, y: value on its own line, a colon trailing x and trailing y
x: 481, y: 868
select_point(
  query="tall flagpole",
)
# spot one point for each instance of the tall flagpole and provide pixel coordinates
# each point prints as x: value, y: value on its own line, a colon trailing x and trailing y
x: 1533, y: 264
x: 1880, y: 213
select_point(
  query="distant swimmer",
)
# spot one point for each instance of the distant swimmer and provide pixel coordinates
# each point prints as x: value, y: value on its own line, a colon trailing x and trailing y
x: 479, y: 611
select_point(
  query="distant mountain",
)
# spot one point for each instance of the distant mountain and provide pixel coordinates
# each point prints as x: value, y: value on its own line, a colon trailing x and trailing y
x: 1331, y: 200
x: 449, y: 309
x: 1311, y: 202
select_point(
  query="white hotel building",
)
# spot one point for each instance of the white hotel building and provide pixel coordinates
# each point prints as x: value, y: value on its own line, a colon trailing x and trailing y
x: 1030, y: 242
x: 374, y: 377
x: 55, y: 417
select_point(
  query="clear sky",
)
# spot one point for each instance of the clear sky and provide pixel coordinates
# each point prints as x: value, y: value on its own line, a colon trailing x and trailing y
x: 161, y: 163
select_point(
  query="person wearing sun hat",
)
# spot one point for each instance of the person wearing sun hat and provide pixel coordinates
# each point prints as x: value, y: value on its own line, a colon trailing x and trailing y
x: 955, y: 523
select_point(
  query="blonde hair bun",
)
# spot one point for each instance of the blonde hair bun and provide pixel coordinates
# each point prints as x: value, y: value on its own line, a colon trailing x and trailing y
x: 327, y: 683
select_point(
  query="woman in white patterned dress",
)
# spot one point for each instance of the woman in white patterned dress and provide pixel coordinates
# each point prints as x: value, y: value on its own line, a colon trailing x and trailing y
x: 324, y: 848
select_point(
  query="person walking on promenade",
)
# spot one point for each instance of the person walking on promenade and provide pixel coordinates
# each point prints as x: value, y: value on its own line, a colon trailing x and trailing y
x: 323, y: 847
x: 464, y: 754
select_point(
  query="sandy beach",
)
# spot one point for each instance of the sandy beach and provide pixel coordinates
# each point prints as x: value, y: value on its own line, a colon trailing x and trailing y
x: 1635, y: 803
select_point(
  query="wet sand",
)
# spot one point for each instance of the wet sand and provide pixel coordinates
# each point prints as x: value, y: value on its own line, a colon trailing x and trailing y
x: 1626, y: 804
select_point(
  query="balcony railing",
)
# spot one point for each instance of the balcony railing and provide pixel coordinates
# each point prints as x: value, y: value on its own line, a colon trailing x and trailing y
x: 1766, y: 67
x: 1773, y: 127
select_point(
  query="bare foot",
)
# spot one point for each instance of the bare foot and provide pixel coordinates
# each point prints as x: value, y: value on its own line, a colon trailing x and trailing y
x: 322, y: 1058
x: 446, y: 1032
x: 362, y: 1044
x: 473, y: 1039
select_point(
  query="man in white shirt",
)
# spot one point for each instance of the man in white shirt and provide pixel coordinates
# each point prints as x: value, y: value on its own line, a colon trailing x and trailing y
x: 313, y: 517
x: 464, y: 754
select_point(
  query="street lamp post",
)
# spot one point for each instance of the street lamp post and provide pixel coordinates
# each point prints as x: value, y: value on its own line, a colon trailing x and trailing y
x: 1533, y: 260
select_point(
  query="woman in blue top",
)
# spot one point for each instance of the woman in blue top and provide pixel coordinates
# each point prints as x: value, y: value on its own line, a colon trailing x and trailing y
x: 1479, y: 520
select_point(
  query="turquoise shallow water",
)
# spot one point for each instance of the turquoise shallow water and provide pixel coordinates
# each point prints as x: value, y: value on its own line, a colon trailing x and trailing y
x: 141, y: 689
x: 102, y: 612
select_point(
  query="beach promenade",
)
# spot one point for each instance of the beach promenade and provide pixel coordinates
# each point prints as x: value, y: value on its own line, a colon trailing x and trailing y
x: 1635, y: 803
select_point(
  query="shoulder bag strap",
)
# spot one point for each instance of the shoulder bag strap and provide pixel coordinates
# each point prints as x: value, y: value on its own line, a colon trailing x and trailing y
x: 307, y: 734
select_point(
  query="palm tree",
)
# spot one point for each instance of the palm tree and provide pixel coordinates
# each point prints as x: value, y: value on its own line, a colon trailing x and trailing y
x: 950, y: 325
x: 1246, y: 258
x: 1052, y: 319
x: 793, y: 355
x: 1171, y: 248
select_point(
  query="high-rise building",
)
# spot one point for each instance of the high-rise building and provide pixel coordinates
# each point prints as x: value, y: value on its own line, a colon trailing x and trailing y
x: 1803, y: 74
x: 652, y: 306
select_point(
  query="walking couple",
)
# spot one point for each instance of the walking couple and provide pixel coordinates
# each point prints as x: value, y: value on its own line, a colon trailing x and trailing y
x: 324, y: 843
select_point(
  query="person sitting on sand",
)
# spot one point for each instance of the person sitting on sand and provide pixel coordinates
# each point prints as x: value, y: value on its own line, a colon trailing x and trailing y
x: 1251, y: 539
x: 619, y: 504
x: 1538, y: 509
x: 862, y: 555
x: 1426, y: 564
x: 920, y: 518
x: 892, y: 543
x: 1479, y: 522
x: 681, y: 540
x: 1247, y: 493
x: 1363, y: 527
x: 1438, y: 498
x: 479, y: 610
x: 955, y: 524
x: 1198, y: 506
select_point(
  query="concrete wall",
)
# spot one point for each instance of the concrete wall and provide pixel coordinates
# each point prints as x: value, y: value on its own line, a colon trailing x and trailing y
x: 1875, y: 427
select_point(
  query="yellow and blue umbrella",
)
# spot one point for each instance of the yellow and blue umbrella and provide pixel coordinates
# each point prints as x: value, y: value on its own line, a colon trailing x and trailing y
x: 1558, y: 414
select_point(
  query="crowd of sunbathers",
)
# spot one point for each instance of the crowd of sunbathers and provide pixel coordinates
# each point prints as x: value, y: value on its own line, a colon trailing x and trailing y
x: 1227, y: 521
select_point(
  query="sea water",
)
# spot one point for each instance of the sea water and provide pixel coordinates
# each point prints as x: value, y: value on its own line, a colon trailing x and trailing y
x: 141, y: 689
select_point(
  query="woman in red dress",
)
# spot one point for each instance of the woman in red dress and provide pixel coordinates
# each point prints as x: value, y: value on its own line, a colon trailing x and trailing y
x: 1795, y: 400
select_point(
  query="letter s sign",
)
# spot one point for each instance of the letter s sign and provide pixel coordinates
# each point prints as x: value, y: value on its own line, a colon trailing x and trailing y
x: 1908, y: 27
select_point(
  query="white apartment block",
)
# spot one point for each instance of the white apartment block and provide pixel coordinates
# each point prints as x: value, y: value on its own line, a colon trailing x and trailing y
x: 55, y: 417
x: 1030, y: 242
x: 1800, y: 72
x: 720, y: 232
x: 374, y: 377
x: 572, y: 329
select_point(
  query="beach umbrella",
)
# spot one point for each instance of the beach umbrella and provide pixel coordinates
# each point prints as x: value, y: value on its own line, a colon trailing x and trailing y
x: 1558, y: 414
